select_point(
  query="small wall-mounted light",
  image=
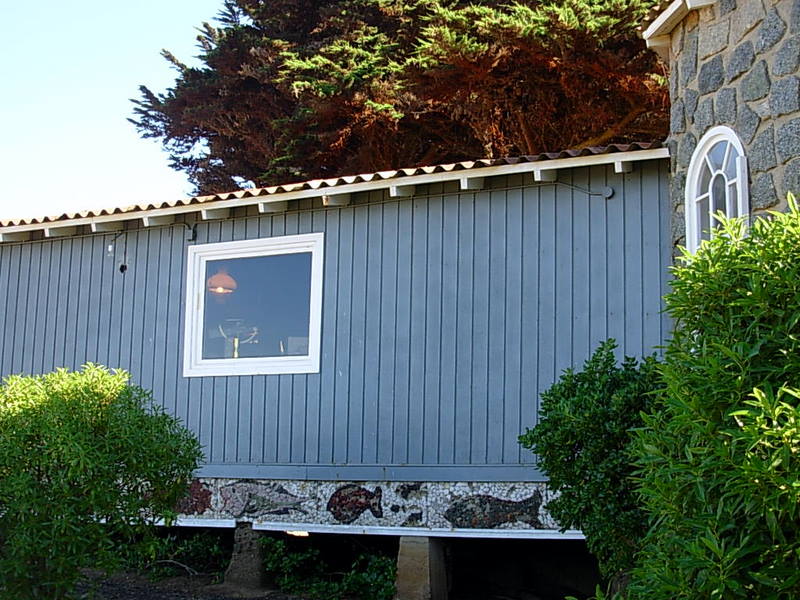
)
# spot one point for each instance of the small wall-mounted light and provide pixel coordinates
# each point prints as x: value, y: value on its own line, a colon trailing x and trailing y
x: 221, y: 283
x: 297, y: 533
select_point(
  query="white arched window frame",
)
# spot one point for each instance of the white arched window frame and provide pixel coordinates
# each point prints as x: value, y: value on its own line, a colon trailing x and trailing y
x: 716, y: 181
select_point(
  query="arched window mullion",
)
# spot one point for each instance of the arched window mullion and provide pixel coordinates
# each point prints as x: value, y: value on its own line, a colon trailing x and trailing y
x: 709, y: 165
x: 728, y: 151
x: 701, y: 197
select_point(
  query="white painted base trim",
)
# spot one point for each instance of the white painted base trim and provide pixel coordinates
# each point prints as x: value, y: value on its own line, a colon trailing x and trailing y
x: 541, y: 534
x: 191, y: 522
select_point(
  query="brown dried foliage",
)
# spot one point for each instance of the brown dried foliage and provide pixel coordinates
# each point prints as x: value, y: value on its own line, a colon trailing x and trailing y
x: 373, y: 106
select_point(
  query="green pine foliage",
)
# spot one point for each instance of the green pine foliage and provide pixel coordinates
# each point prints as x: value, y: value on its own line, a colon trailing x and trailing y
x: 583, y: 439
x: 295, y: 89
x: 719, y: 457
x: 85, y: 461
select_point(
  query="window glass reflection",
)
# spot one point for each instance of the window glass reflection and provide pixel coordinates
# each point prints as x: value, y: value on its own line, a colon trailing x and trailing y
x: 257, y: 306
x: 702, y: 207
x: 718, y: 196
x: 730, y: 167
x: 733, y: 207
x: 717, y: 154
x: 705, y: 179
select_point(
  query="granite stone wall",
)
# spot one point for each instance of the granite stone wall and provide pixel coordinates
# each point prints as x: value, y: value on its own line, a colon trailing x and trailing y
x: 735, y: 63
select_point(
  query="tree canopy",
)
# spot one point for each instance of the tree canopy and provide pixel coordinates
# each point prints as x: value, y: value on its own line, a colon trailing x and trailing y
x: 299, y: 89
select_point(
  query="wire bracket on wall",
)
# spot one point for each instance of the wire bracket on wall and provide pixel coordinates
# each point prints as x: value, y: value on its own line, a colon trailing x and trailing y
x: 112, y: 244
x: 192, y: 230
x: 605, y: 192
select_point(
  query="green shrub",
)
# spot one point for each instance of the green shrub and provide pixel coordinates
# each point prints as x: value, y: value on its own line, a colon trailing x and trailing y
x: 180, y: 551
x: 582, y: 440
x: 718, y: 457
x: 371, y: 577
x: 85, y: 459
x: 303, y: 571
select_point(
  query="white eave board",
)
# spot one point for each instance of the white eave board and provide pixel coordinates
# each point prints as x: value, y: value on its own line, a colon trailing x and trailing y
x: 669, y: 19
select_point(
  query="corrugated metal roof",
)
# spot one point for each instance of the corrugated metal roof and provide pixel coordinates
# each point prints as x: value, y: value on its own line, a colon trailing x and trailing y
x: 324, y: 184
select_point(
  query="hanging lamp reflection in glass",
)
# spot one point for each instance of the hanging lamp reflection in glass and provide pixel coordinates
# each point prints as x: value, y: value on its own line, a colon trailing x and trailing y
x: 221, y: 283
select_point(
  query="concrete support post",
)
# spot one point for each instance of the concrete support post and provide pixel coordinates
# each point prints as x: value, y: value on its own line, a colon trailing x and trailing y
x: 246, y: 568
x: 421, y: 569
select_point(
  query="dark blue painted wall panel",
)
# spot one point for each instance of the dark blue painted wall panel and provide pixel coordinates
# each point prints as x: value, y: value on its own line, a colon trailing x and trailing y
x: 444, y: 316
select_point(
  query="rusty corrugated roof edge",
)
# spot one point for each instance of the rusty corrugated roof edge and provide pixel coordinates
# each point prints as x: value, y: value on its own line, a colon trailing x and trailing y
x: 332, y: 183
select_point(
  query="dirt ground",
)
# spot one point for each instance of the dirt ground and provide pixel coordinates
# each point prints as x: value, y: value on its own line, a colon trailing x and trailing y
x: 137, y: 587
x: 202, y: 587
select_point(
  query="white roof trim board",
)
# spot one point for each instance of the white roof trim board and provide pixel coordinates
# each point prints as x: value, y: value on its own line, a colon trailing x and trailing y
x: 468, y: 173
x: 656, y: 35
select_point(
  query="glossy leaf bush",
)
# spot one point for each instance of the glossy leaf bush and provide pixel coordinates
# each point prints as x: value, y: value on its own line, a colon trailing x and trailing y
x: 86, y: 459
x: 582, y: 440
x: 718, y: 458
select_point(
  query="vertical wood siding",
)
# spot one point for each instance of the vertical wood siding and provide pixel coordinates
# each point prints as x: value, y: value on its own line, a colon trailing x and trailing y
x: 444, y: 316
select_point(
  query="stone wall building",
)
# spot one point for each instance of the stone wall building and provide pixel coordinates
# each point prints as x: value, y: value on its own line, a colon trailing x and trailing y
x: 733, y: 67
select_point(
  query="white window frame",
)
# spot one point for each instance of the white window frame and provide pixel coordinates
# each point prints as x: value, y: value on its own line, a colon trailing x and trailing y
x: 194, y: 365
x: 693, y: 196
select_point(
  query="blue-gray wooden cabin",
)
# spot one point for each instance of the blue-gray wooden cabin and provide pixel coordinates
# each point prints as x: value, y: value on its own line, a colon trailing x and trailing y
x: 451, y: 298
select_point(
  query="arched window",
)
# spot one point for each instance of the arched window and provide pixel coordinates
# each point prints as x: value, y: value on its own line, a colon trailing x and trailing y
x: 716, y: 181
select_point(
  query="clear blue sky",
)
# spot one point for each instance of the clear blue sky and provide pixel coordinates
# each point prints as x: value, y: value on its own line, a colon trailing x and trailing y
x: 67, y: 71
